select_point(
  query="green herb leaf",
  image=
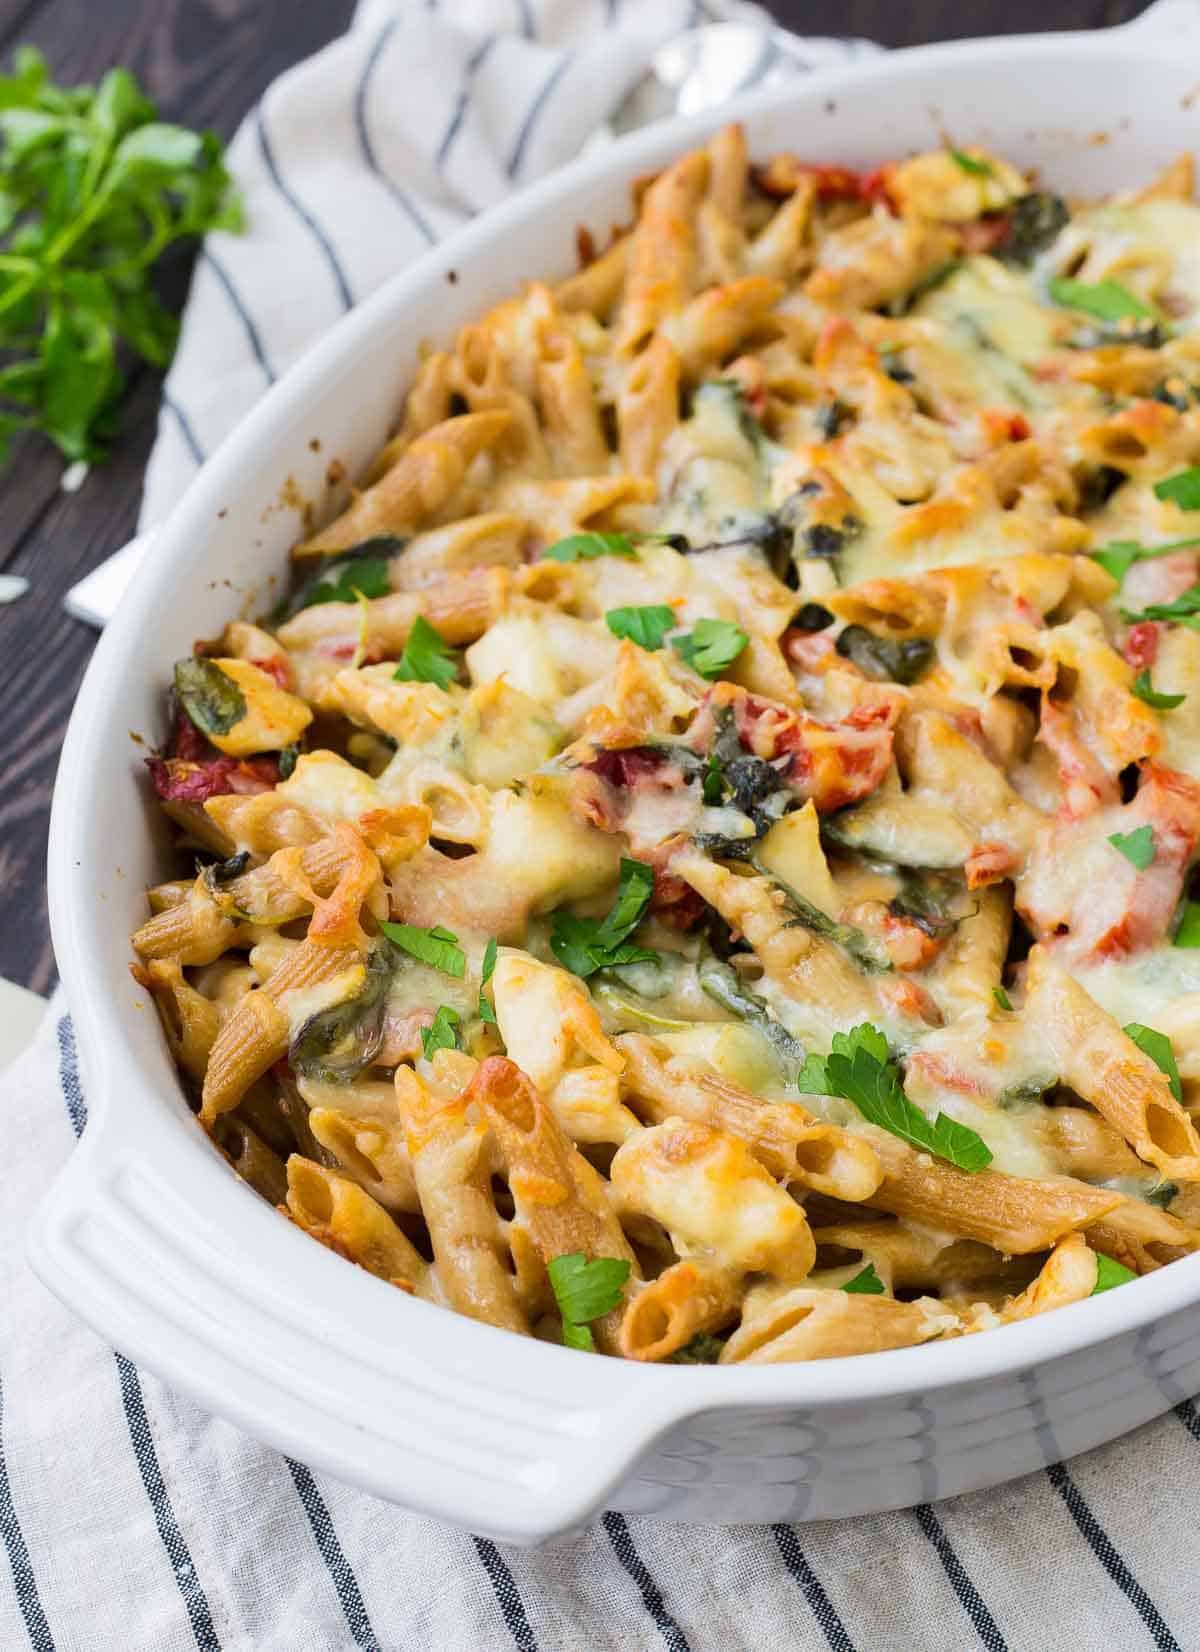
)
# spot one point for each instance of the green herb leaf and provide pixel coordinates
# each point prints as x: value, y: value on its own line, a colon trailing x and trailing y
x: 1160, y: 702
x: 703, y: 1349
x: 712, y: 788
x: 287, y: 761
x: 711, y: 645
x: 443, y: 1034
x: 427, y: 657
x: 338, y: 1042
x: 586, y: 547
x: 858, y: 1068
x: 486, y: 1012
x: 435, y: 946
x: 213, y: 701
x: 1137, y: 846
x: 886, y: 659
x: 1184, y: 610
x: 1188, y: 931
x: 1158, y: 1047
x: 1106, y: 300
x: 645, y: 626
x: 866, y: 1283
x: 1161, y: 1194
x: 1003, y: 1001
x: 584, y: 945
x: 968, y: 163
x: 342, y: 580
x: 1182, y: 489
x: 1110, y: 1273
x: 585, y: 1291
x: 1118, y: 557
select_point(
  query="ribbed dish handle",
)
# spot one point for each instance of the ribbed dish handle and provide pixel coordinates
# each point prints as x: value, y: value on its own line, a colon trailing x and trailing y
x: 510, y: 1438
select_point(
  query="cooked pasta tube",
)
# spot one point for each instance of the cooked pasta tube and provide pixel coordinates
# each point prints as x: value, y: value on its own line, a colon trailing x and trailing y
x: 561, y: 1202
x: 190, y: 1021
x: 788, y: 1141
x: 692, y: 1296
x: 712, y: 1195
x: 648, y: 406
x: 250, y: 1156
x: 256, y: 1035
x: 662, y: 261
x: 460, y: 607
x: 598, y: 285
x: 914, y: 1258
x: 415, y: 486
x: 448, y: 1150
x: 490, y: 540
x: 1104, y: 1066
x: 371, y: 1152
x: 192, y: 931
x: 1068, y: 1275
x: 262, y: 823
x: 800, y: 1323
x: 1142, y: 1237
x: 1085, y: 1145
x: 340, y: 1215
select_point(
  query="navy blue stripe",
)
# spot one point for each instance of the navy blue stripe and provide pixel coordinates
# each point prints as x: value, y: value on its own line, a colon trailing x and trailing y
x: 464, y: 97
x: 535, y: 109
x: 652, y: 1600
x: 340, y: 1569
x: 1188, y: 1416
x: 243, y: 315
x: 302, y: 212
x: 173, y: 1541
x: 398, y: 195
x: 185, y: 429
x: 525, y: 13
x: 810, y: 1584
x: 507, y: 1594
x: 1101, y: 1546
x: 968, y: 1595
x: 24, y: 1582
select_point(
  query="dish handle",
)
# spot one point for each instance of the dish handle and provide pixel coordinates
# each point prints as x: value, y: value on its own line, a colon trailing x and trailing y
x: 506, y: 1437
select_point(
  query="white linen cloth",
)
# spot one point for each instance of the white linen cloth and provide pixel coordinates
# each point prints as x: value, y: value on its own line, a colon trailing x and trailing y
x: 133, y: 1522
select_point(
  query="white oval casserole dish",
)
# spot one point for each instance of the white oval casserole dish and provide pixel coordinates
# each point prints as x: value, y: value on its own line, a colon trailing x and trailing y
x: 153, y: 1240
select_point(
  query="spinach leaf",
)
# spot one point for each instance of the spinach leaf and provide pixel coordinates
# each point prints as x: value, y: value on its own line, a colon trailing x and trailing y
x: 885, y: 659
x: 338, y: 1042
x: 725, y: 987
x: 212, y: 701
x: 363, y: 568
x: 1035, y: 221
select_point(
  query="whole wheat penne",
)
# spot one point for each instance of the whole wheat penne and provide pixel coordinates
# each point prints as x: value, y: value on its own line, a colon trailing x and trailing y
x: 667, y: 1312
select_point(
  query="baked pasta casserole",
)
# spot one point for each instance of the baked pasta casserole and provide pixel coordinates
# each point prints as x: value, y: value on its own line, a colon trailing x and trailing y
x: 697, y: 866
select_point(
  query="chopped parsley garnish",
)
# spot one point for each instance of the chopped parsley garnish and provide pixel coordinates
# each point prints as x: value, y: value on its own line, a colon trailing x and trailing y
x: 427, y: 657
x: 866, y: 1283
x: 1003, y: 1001
x: 585, y: 1291
x: 969, y: 163
x: 436, y: 947
x: 1184, y: 610
x: 443, y: 1034
x: 860, y: 1070
x: 1143, y: 690
x: 586, y: 547
x: 645, y: 626
x: 1118, y: 557
x: 486, y: 1012
x: 212, y: 701
x: 1187, y: 932
x: 1106, y: 300
x: 584, y: 945
x: 1158, y: 1047
x: 1110, y: 1273
x: 711, y: 645
x: 1182, y: 489
x: 344, y: 578
x: 1137, y: 846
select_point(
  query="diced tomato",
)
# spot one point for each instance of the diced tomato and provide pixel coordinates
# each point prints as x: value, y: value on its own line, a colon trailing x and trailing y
x: 674, y: 901
x: 1141, y: 644
x: 1087, y: 785
x: 186, y: 740
x: 875, y: 187
x: 178, y: 780
x: 982, y: 234
x: 279, y: 668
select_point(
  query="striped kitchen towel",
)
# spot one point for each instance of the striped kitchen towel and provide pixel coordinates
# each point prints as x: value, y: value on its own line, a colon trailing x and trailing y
x: 133, y: 1522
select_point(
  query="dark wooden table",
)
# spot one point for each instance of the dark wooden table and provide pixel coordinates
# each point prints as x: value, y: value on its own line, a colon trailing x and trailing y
x: 205, y: 62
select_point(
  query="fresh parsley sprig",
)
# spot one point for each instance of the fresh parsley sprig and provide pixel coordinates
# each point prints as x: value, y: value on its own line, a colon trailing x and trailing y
x: 586, y: 547
x: 1120, y: 555
x: 1187, y: 930
x: 1106, y: 300
x: 859, y: 1069
x: 1137, y: 846
x: 584, y: 945
x: 585, y: 1291
x: 1183, y: 610
x: 1182, y: 489
x: 1158, y: 1047
x: 437, y: 946
x: 646, y: 626
x: 443, y: 1034
x: 93, y: 189
x: 1110, y: 1273
x: 1145, y: 691
x: 866, y: 1283
x: 486, y: 1012
x: 427, y: 657
x: 711, y: 645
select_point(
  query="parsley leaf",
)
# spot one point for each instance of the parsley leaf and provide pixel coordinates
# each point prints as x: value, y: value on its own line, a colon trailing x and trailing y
x: 1159, y: 702
x: 969, y: 163
x: 858, y: 1068
x: 343, y: 579
x: 584, y: 945
x: 645, y: 626
x: 1003, y: 1001
x: 1188, y: 931
x: 1184, y: 610
x: 443, y: 1034
x: 486, y: 1012
x: 1182, y: 489
x: 434, y: 946
x: 866, y: 1283
x: 585, y: 1291
x: 586, y: 547
x: 427, y: 657
x: 1118, y: 557
x: 1158, y: 1047
x: 712, y: 787
x: 1137, y: 846
x: 1110, y: 1273
x: 93, y: 190
x: 711, y: 645
x: 1106, y: 300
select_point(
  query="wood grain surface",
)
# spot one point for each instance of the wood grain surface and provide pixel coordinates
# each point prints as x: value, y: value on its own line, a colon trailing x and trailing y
x: 205, y: 62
